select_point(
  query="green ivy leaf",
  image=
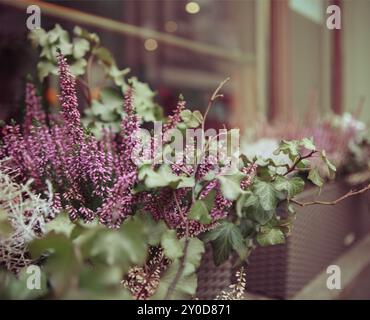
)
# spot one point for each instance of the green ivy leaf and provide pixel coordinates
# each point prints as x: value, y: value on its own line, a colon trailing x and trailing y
x: 270, y: 236
x: 38, y: 37
x: 315, y: 178
x: 123, y: 247
x: 191, y: 119
x: 57, y: 33
x: 173, y: 248
x: 60, y: 225
x: 308, y: 144
x: 91, y: 37
x: 225, y: 238
x: 109, y: 105
x: 230, y: 185
x: 118, y: 76
x: 187, y: 282
x: 261, y: 215
x: 292, y: 186
x: 288, y: 147
x: 80, y: 47
x: 329, y: 165
x: 78, y: 68
x: 199, y: 211
x: 266, y: 193
x: 44, y: 68
x: 246, y: 200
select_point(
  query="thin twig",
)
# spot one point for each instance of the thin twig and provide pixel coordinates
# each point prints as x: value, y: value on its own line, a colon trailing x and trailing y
x: 334, y: 202
x: 213, y: 98
x: 181, y: 268
x: 298, y: 160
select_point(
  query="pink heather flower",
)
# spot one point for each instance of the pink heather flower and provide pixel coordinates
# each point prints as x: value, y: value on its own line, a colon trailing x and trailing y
x: 221, y: 206
x: 250, y: 172
x: 68, y: 100
x: 34, y: 113
x: 175, y: 118
x: 129, y: 133
x: 118, y: 205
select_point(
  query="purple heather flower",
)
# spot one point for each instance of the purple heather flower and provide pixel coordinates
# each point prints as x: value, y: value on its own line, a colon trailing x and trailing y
x: 68, y: 100
x: 34, y: 113
x: 175, y: 118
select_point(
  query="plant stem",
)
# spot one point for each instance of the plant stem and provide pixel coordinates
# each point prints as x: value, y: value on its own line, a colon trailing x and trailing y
x: 298, y: 160
x: 334, y: 202
x: 179, y: 272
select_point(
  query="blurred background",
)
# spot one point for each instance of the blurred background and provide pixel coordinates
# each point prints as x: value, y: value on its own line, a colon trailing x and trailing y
x: 288, y: 72
x: 282, y: 59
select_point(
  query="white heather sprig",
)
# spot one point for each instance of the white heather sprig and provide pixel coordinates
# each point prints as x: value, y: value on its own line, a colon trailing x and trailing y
x: 235, y: 291
x: 27, y: 213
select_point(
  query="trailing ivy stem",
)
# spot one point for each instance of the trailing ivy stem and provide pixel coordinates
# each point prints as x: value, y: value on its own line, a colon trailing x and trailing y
x: 334, y: 202
x: 180, y: 270
x: 298, y: 160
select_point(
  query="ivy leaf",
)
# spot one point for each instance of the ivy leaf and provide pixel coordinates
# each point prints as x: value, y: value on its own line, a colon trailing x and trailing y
x: 292, y: 186
x: 247, y: 199
x: 80, y: 47
x: 60, y: 225
x: 57, y: 33
x: 230, y: 185
x: 118, y: 76
x: 315, y: 178
x: 78, y: 68
x: 108, y: 106
x: 266, y: 193
x: 200, y: 209
x: 225, y: 238
x: 65, y: 47
x: 62, y: 262
x: 163, y: 177
x: 191, y: 119
x: 173, y: 248
x: 104, y: 55
x: 38, y: 37
x: 270, y: 236
x: 123, y: 247
x: 288, y: 147
x: 261, y: 215
x: 187, y: 280
x: 44, y: 68
x: 91, y: 37
x: 308, y: 144
x: 330, y: 166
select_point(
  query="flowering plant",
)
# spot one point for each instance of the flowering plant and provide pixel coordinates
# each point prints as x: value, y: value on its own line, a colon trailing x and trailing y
x: 129, y: 213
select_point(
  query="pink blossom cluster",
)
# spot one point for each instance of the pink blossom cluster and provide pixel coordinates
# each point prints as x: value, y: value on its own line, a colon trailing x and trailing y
x: 94, y: 179
x: 91, y: 178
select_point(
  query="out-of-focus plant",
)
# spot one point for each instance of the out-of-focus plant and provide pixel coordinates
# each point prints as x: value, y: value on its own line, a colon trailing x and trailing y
x: 344, y: 139
x: 84, y: 51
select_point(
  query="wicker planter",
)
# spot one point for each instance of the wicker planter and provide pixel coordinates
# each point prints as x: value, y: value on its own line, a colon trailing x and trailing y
x: 320, y: 234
